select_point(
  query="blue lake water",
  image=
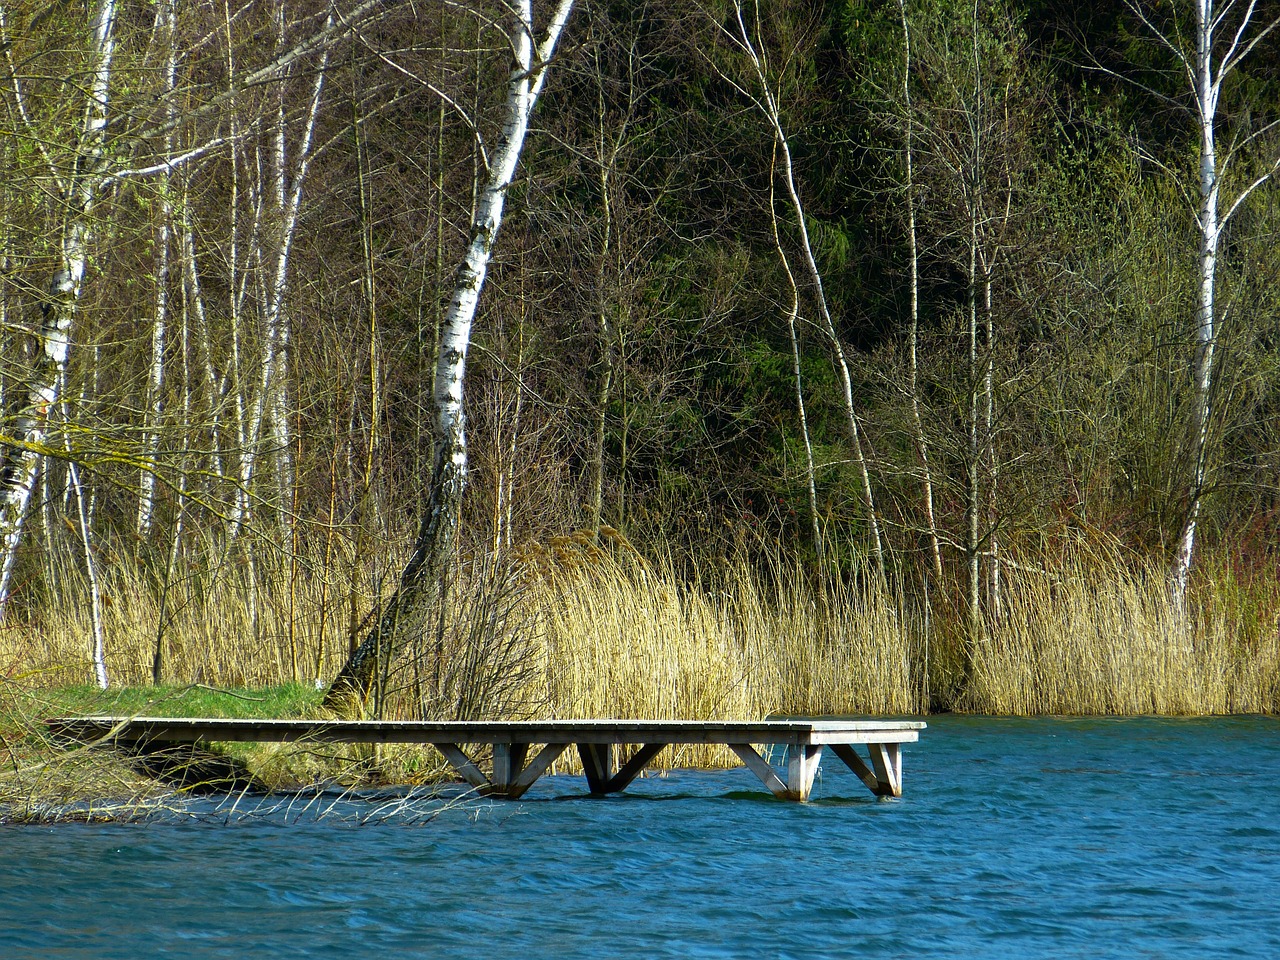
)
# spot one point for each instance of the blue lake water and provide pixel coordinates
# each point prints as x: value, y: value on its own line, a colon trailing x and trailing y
x: 1015, y: 838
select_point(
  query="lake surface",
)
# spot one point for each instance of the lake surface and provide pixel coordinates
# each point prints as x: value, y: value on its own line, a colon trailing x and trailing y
x: 1015, y: 838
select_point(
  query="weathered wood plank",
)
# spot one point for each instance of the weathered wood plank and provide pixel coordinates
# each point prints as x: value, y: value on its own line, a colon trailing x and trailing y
x: 760, y: 767
x: 783, y: 732
x: 859, y: 766
x: 631, y: 769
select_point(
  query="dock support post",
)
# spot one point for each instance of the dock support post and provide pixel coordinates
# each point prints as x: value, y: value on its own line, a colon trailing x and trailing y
x: 508, y: 761
x: 802, y: 765
x: 887, y: 759
x: 597, y: 764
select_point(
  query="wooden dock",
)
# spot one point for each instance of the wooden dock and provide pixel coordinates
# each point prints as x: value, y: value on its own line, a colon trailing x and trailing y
x: 516, y: 766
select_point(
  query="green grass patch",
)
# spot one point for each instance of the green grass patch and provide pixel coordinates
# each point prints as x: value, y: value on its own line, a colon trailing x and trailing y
x: 193, y: 700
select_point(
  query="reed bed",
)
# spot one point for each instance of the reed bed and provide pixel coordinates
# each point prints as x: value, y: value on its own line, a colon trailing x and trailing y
x: 586, y: 628
x: 1083, y: 641
x: 583, y: 627
x: 636, y: 643
x: 218, y: 620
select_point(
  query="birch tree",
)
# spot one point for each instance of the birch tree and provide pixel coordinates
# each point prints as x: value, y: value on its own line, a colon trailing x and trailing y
x: 913, y: 322
x: 421, y: 577
x: 1226, y: 38
x: 78, y: 188
x: 970, y: 130
x: 793, y: 336
x: 166, y: 33
x: 98, y: 162
x: 269, y: 412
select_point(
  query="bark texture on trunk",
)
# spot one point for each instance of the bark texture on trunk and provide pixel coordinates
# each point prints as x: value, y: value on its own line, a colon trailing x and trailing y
x: 21, y: 460
x: 1222, y: 43
x: 1201, y: 411
x: 270, y: 411
x: 913, y: 328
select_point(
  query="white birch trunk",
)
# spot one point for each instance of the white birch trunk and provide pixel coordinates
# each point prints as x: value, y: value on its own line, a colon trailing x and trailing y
x: 1201, y: 413
x: 793, y: 314
x: 236, y: 287
x: 604, y: 339
x: 98, y: 653
x: 80, y: 193
x: 450, y: 470
x: 155, y: 382
x: 609, y: 142
x: 973, y: 539
x: 1207, y: 68
x: 271, y: 407
x: 193, y: 294
x: 989, y: 441
x: 434, y: 545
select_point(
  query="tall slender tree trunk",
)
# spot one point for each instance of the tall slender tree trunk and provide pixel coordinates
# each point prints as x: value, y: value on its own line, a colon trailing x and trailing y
x: 80, y: 190
x: 913, y: 323
x: 973, y: 468
x: 768, y: 104
x: 270, y: 411
x: 165, y: 23
x: 423, y: 574
x: 793, y: 314
x: 989, y: 443
x: 604, y: 340
x: 1201, y: 414
x: 193, y: 294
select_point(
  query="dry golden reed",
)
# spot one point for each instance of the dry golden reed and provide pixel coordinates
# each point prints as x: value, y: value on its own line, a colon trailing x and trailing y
x: 606, y: 634
x: 636, y: 643
x: 1087, y: 639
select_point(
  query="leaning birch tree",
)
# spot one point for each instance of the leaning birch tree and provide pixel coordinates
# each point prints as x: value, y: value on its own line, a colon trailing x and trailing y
x: 422, y: 575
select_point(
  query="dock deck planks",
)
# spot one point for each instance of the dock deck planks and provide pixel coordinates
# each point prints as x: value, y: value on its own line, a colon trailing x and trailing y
x: 514, y: 772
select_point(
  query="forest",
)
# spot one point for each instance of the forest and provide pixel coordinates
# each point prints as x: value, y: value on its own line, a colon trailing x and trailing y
x: 502, y: 356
